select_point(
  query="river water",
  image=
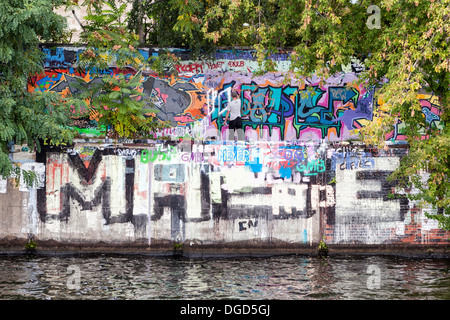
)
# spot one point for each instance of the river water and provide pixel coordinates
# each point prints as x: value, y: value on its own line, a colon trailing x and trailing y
x: 290, y: 277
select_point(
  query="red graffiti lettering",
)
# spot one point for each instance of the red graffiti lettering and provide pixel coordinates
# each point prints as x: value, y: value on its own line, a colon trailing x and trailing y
x: 236, y: 64
x: 192, y: 67
x: 217, y: 65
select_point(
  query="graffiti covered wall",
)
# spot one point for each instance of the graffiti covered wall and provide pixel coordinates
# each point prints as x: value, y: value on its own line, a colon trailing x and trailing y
x: 295, y: 179
x: 275, y: 106
x: 211, y: 193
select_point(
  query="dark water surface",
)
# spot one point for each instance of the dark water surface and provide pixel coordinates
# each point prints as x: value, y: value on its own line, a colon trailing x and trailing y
x: 283, y: 277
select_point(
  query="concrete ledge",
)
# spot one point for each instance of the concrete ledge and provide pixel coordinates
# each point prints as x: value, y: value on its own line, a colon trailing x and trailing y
x: 222, y: 250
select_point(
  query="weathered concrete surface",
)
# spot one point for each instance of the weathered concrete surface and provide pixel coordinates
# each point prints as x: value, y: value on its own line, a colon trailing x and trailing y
x: 241, y: 198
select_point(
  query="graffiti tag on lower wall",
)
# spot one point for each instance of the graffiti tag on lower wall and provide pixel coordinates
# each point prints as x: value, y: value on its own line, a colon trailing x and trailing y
x: 293, y: 192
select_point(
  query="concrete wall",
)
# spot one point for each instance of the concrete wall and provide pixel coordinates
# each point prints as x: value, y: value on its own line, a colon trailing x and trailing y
x: 215, y: 193
x: 295, y: 179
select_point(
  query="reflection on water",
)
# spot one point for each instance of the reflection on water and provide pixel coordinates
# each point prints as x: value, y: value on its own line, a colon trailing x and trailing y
x: 286, y: 277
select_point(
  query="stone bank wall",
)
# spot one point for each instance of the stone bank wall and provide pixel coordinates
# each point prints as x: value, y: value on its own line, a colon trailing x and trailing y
x: 256, y: 194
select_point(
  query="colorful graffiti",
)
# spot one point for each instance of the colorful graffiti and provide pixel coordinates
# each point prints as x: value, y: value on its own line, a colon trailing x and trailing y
x: 305, y: 111
x: 274, y: 106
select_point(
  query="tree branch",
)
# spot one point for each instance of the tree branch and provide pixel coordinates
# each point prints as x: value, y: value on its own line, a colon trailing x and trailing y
x: 78, y: 20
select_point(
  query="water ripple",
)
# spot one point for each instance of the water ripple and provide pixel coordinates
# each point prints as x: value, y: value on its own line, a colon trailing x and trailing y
x: 287, y: 278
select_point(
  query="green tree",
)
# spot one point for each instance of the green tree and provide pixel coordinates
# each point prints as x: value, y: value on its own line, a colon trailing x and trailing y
x: 28, y: 117
x: 123, y: 110
x: 171, y: 23
x: 204, y: 25
x: 265, y: 25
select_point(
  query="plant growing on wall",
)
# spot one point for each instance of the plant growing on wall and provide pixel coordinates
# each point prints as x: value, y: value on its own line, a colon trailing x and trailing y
x: 117, y: 100
x: 30, y: 245
x: 322, y: 248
